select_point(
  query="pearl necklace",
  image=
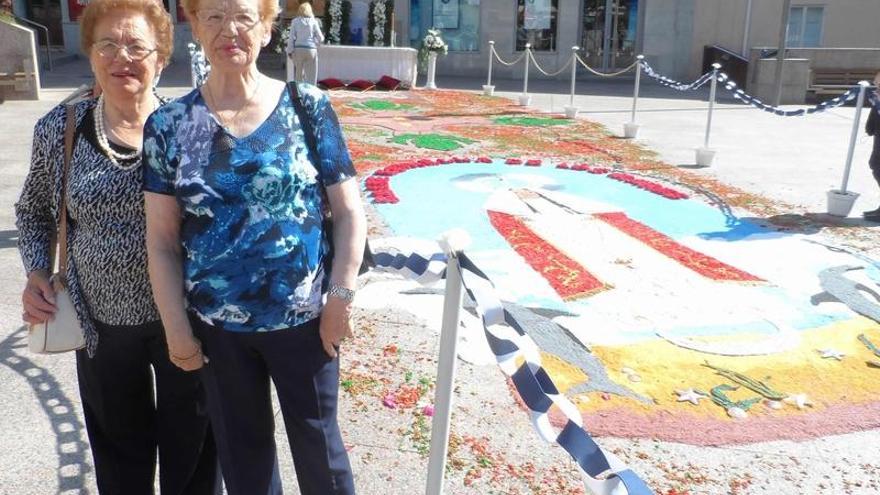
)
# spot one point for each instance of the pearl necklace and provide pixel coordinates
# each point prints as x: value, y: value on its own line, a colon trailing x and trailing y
x: 101, y: 134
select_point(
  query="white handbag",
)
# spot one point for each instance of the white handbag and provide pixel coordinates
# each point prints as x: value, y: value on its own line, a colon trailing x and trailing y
x: 63, y: 332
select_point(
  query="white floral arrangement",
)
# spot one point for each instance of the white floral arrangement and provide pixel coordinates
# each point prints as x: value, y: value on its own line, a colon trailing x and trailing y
x: 379, y: 20
x: 334, y: 10
x: 433, y: 42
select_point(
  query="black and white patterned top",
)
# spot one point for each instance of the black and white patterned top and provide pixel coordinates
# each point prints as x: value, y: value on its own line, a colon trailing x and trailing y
x: 107, y: 262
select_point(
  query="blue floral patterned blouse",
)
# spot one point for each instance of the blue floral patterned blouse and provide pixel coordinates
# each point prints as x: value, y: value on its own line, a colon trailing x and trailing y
x: 251, y: 207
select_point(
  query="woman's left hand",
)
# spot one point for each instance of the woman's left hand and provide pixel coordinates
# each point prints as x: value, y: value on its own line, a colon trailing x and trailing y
x: 335, y: 324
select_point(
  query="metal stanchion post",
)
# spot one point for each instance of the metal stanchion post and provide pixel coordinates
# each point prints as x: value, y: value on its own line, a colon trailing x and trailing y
x: 705, y: 155
x: 631, y: 128
x: 524, y: 98
x: 840, y: 201
x: 489, y: 89
x: 571, y: 111
x: 445, y: 377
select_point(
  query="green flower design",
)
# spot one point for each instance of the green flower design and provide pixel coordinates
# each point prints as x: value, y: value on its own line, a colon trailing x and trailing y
x: 530, y: 121
x: 439, y: 142
x: 381, y: 105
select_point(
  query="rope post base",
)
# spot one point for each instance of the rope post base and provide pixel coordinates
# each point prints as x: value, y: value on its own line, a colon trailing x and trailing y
x: 488, y: 89
x: 705, y: 156
x: 525, y: 100
x: 631, y: 130
x: 571, y: 112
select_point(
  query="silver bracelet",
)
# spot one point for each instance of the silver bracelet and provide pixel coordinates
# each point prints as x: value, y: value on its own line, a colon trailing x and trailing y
x: 341, y: 292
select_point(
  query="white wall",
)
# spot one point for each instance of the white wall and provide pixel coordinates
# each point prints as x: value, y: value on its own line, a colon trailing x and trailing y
x: 668, y: 35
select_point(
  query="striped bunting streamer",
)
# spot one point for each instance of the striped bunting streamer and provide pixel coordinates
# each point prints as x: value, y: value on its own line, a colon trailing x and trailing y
x: 671, y: 83
x: 748, y: 99
x: 605, y: 473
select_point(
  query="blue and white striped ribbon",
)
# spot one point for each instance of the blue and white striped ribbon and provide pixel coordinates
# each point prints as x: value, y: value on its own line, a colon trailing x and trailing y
x: 605, y: 473
x: 748, y: 99
x: 672, y: 83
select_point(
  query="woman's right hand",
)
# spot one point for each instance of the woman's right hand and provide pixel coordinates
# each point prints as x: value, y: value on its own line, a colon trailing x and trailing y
x: 186, y: 353
x: 38, y: 298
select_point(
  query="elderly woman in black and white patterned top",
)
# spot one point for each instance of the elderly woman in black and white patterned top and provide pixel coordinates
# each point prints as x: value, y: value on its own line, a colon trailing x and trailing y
x: 128, y: 43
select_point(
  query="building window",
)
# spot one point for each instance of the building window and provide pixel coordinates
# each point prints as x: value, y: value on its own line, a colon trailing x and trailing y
x: 458, y: 20
x: 536, y: 24
x: 805, y: 27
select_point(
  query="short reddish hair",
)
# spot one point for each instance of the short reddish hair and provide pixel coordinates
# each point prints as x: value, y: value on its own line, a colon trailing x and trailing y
x: 269, y: 9
x: 156, y: 15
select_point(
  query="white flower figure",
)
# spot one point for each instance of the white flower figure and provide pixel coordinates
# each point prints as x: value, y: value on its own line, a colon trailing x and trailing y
x: 689, y: 395
x: 801, y: 401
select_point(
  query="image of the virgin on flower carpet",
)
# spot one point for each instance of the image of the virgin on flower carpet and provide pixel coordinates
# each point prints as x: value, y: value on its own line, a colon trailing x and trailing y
x: 663, y: 305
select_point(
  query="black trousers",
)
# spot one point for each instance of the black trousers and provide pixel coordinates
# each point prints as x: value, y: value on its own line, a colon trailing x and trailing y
x: 126, y: 426
x: 874, y: 162
x: 307, y: 383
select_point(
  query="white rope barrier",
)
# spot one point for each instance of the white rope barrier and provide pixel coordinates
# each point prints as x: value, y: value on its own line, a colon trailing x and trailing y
x: 551, y: 74
x: 502, y: 62
x: 606, y: 74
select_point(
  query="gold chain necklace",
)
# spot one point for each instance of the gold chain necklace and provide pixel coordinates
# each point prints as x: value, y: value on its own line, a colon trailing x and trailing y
x: 247, y: 102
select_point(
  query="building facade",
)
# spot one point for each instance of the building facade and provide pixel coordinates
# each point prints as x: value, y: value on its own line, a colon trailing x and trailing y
x: 608, y: 34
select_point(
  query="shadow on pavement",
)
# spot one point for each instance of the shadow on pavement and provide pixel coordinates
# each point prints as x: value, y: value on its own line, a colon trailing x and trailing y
x: 69, y: 447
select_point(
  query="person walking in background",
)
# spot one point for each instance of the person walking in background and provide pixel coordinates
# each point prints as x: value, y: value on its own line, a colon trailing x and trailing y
x: 873, y: 129
x: 302, y: 46
x: 128, y: 43
x: 238, y: 174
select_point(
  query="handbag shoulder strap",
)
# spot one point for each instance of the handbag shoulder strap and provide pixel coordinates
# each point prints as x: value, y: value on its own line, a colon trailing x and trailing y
x: 69, y: 132
x: 308, y: 127
x: 305, y: 120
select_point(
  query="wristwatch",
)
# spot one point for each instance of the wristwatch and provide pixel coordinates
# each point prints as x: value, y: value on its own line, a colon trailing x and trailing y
x: 341, y: 292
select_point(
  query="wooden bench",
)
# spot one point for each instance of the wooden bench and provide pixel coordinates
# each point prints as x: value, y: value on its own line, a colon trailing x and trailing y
x: 836, y: 81
x: 19, y: 79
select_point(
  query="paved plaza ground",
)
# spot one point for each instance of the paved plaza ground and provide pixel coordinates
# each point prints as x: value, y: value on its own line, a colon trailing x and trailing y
x: 645, y: 330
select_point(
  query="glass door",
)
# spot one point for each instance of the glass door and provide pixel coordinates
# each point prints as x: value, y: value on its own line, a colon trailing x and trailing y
x: 47, y: 13
x: 608, y: 33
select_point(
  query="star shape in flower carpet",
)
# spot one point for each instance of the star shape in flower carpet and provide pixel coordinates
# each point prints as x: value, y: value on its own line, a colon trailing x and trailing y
x: 689, y: 395
x: 799, y: 400
x: 831, y: 354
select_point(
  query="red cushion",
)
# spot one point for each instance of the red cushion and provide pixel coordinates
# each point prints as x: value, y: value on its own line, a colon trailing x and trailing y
x: 389, y: 83
x: 361, y: 84
x: 330, y: 83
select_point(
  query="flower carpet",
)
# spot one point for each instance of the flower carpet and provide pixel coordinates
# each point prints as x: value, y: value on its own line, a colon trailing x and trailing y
x: 678, y: 308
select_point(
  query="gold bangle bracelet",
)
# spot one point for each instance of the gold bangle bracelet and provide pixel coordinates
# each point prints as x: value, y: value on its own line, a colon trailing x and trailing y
x: 178, y: 358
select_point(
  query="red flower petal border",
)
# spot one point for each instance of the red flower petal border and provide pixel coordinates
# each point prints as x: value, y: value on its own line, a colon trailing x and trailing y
x: 379, y: 188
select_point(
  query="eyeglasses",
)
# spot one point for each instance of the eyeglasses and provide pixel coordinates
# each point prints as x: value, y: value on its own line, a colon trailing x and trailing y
x: 134, y: 51
x: 214, y: 19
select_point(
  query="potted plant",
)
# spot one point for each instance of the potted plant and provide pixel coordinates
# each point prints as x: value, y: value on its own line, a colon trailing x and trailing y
x: 432, y: 44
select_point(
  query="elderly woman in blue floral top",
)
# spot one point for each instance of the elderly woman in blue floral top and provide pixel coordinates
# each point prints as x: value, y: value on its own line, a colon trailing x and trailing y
x: 238, y: 252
